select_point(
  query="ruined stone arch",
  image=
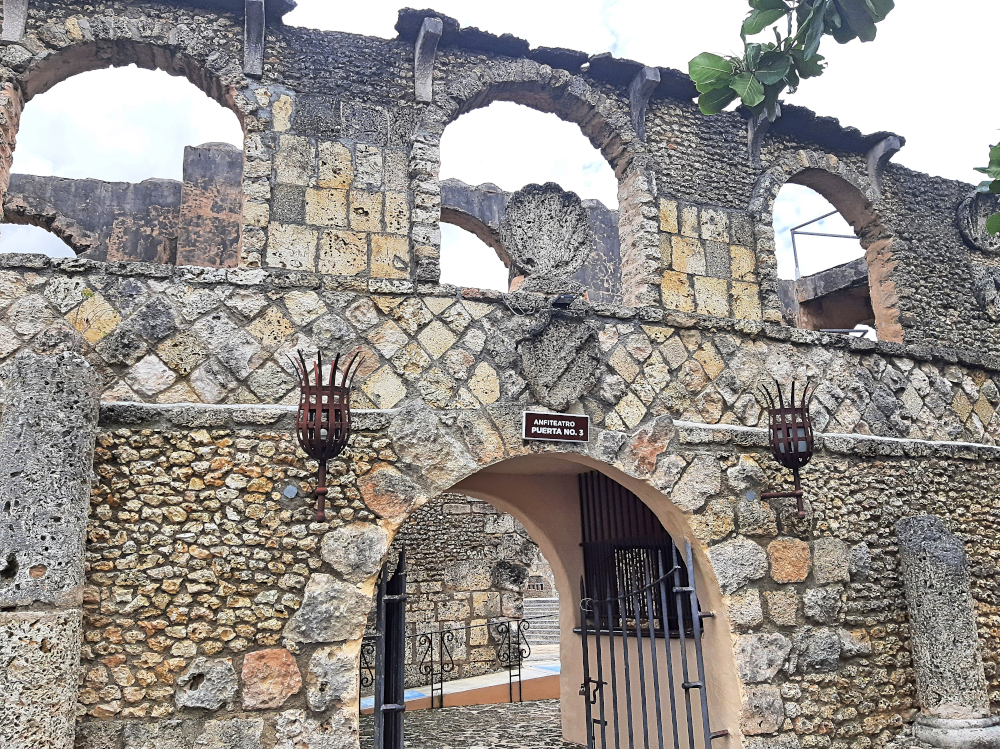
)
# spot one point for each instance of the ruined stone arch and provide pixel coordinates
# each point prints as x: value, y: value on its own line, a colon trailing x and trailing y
x: 854, y: 197
x: 48, y: 217
x: 82, y: 43
x: 571, y: 98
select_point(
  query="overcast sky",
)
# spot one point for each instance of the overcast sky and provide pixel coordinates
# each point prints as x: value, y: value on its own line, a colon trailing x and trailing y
x: 926, y: 77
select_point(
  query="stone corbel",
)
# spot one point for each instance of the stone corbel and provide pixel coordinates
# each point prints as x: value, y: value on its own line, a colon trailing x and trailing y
x: 423, y: 58
x: 15, y: 14
x: 757, y: 128
x: 639, y: 91
x: 253, y: 38
x: 878, y: 158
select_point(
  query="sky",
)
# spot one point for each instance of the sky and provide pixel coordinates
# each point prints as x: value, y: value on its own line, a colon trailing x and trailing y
x: 925, y: 77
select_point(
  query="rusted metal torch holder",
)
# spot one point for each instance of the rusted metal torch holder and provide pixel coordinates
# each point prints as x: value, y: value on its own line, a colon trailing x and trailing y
x: 323, y: 421
x: 790, y: 433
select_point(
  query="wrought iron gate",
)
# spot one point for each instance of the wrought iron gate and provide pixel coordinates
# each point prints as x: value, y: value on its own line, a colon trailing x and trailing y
x: 641, y: 627
x: 390, y: 656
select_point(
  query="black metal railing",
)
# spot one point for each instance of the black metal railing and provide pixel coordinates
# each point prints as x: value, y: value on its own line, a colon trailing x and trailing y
x: 436, y: 654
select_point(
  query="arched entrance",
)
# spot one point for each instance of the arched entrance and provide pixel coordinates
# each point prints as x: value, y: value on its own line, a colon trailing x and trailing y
x: 547, y: 493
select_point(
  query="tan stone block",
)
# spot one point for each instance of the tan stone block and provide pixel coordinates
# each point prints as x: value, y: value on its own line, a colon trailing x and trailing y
x: 257, y: 214
x: 983, y: 409
x: 783, y: 607
x: 368, y: 162
x: 687, y: 255
x: 304, y: 306
x: 631, y: 409
x: 295, y: 160
x: 343, y: 253
x: 291, y: 246
x: 390, y: 256
x: 746, y: 301
x: 962, y: 406
x: 710, y: 360
x: 326, y: 207
x: 668, y: 216
x: 335, y: 167
x: 397, y: 213
x: 388, y: 338
x: 743, y: 263
x: 93, y: 319
x: 366, y: 210
x: 712, y: 296
x: 791, y: 560
x: 485, y: 384
x: 271, y: 328
x: 714, y: 225
x: 666, y: 252
x: 676, y: 291
x: 397, y: 167
x: 624, y: 364
x: 689, y: 221
x: 281, y: 113
x: 437, y: 339
x: 384, y: 388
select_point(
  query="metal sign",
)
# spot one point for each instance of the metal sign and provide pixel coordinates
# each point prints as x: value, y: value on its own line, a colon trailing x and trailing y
x: 555, y: 427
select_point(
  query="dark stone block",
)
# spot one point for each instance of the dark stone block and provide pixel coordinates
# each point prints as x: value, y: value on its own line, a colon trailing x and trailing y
x: 608, y: 69
x: 557, y: 57
x: 288, y: 204
x: 317, y: 115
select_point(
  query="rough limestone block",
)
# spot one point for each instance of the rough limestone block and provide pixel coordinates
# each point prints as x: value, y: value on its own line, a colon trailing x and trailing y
x: 207, y: 683
x: 946, y: 657
x: 759, y: 657
x: 230, y: 734
x: 423, y: 58
x: 333, y: 675
x: 355, y: 551
x: 331, y: 611
x: 736, y: 563
x: 39, y: 668
x: 763, y: 711
x: 47, y: 434
x: 270, y: 677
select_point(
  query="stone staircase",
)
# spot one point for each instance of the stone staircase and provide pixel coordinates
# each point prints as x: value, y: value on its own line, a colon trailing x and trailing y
x: 542, y: 631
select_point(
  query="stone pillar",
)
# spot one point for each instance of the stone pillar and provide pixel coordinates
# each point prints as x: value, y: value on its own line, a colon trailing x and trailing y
x: 951, y: 685
x: 47, y: 434
x: 10, y: 120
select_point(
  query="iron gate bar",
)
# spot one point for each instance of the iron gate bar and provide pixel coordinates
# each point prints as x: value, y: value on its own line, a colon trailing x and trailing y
x: 670, y: 658
x: 656, y: 675
x: 390, y: 643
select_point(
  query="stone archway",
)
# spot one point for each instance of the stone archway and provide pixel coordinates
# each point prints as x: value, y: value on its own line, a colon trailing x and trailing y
x: 571, y: 98
x: 854, y: 197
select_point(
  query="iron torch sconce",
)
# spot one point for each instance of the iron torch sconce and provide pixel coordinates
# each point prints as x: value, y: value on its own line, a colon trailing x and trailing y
x: 790, y: 432
x: 323, y: 421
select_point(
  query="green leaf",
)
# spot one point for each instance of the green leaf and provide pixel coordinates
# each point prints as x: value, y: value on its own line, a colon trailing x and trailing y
x: 995, y: 187
x: 749, y: 89
x: 751, y: 56
x: 773, y: 67
x: 993, y: 224
x: 713, y: 102
x: 995, y: 155
x: 808, y: 67
x: 708, y: 67
x: 758, y: 20
x: 856, y: 19
x: 722, y: 82
x: 880, y: 8
x: 770, y: 5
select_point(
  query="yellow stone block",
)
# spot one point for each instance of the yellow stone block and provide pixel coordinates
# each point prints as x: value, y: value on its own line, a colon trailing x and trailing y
x: 343, y: 253
x: 384, y: 388
x: 743, y: 263
x: 710, y: 360
x: 335, y: 167
x: 676, y: 290
x: 95, y: 318
x: 962, y: 406
x: 366, y: 210
x: 390, y: 256
x: 271, y: 328
x: 257, y: 214
x: 436, y: 339
x: 291, y: 246
x: 325, y: 207
x: 666, y: 252
x: 281, y: 113
x: 485, y: 384
x: 631, y: 410
x: 711, y: 296
x: 668, y: 216
x: 397, y: 213
x: 746, y: 301
x: 688, y: 255
x: 690, y: 226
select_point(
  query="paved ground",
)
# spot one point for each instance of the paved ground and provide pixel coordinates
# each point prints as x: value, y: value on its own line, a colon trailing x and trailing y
x: 526, y: 725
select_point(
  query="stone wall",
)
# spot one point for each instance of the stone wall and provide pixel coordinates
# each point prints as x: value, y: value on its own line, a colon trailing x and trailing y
x: 467, y: 566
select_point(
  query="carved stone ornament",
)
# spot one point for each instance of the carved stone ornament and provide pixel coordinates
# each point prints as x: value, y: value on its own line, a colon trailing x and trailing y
x: 986, y: 289
x: 561, y: 363
x: 546, y: 232
x: 972, y: 215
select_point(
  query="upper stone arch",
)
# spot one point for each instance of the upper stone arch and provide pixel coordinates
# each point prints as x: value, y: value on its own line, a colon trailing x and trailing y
x: 603, y: 120
x: 854, y: 196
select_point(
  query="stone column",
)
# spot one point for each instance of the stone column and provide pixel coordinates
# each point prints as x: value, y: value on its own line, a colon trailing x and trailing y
x: 10, y: 119
x: 47, y: 434
x: 951, y: 685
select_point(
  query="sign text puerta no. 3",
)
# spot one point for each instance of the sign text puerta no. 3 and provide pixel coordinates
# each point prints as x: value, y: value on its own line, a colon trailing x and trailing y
x: 555, y: 427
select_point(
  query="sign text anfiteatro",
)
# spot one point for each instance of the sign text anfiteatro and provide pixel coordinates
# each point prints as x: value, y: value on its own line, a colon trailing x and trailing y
x: 555, y: 427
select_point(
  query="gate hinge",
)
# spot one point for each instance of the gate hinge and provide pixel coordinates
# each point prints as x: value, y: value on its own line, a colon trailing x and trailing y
x: 718, y: 734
